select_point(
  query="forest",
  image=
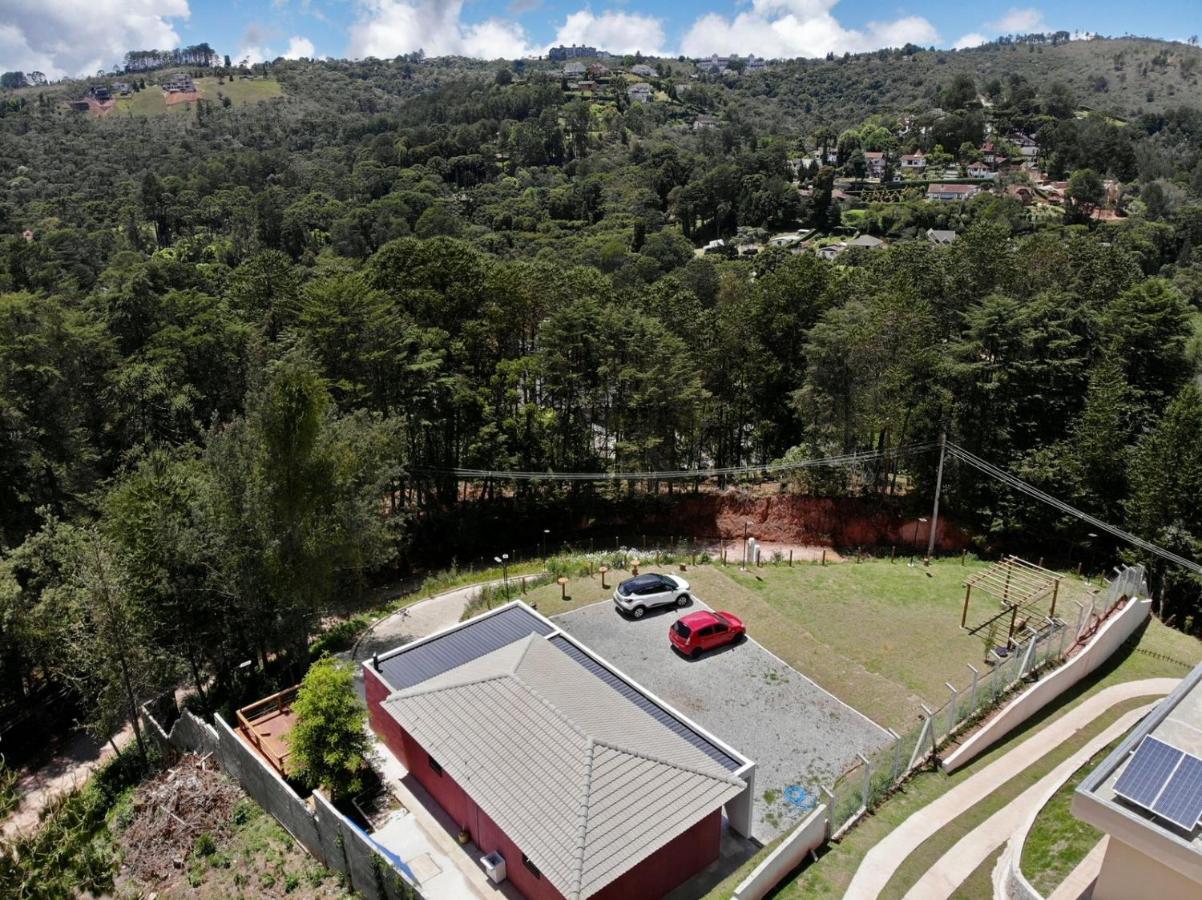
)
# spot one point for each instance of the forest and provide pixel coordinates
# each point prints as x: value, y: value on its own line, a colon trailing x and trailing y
x: 241, y: 349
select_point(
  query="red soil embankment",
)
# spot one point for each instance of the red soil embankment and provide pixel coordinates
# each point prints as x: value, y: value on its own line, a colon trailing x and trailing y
x: 809, y: 521
x: 175, y: 97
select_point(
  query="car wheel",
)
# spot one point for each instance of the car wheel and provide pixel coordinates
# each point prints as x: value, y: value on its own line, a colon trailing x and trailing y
x: 683, y: 599
x: 638, y: 612
x: 694, y: 653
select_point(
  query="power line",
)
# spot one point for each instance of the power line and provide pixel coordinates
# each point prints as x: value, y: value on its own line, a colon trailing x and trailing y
x: 1030, y: 490
x: 846, y: 459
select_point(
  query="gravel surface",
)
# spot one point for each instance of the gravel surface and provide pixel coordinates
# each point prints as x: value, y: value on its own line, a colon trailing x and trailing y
x: 796, y: 733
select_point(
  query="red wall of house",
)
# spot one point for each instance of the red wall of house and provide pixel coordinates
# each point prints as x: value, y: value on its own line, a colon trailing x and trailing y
x: 675, y: 862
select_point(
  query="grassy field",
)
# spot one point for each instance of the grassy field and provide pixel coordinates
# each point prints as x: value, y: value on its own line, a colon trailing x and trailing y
x: 1158, y: 652
x: 879, y: 635
x: 151, y: 101
x: 1058, y: 840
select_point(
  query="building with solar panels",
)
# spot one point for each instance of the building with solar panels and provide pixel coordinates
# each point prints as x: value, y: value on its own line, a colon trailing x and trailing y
x: 553, y: 762
x: 1147, y: 796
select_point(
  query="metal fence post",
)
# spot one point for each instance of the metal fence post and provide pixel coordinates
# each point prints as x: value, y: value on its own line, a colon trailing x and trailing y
x: 1030, y: 651
x: 867, y: 777
x: 1063, y: 637
x: 896, y: 755
x: 953, y: 712
x: 922, y: 736
x: 972, y: 697
x: 993, y: 676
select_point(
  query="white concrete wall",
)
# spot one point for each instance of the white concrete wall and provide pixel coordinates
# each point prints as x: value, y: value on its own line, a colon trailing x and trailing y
x: 811, y: 833
x: 1127, y: 873
x: 1112, y: 635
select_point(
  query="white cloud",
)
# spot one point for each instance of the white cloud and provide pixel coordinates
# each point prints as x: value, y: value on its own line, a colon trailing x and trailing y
x: 77, y: 37
x: 298, y: 48
x: 1020, y: 21
x: 788, y: 28
x: 617, y: 32
x: 972, y: 39
x: 387, y: 28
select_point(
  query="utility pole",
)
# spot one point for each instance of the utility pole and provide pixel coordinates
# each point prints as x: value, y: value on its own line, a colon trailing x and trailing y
x: 938, y: 489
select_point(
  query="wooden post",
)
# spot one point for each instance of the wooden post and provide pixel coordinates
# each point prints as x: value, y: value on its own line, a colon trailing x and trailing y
x: 1013, y: 620
x: 563, y: 587
x: 964, y: 615
x: 893, y: 553
x: 964, y: 558
x: 790, y: 557
x: 824, y: 556
x: 1055, y: 593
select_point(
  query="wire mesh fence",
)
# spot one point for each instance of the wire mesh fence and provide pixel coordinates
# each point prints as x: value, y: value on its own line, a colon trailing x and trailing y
x: 872, y: 778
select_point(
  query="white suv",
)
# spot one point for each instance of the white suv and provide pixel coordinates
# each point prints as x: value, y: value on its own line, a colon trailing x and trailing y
x: 643, y: 592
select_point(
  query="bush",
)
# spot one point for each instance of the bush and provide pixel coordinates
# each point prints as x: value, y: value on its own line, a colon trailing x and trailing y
x: 328, y: 742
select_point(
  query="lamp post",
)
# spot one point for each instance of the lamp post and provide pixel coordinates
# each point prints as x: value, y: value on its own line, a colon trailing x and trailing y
x: 503, y: 562
x: 746, y: 561
x: 546, y: 531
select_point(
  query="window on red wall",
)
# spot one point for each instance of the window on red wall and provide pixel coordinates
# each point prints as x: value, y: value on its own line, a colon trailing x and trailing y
x: 531, y: 866
x: 434, y: 764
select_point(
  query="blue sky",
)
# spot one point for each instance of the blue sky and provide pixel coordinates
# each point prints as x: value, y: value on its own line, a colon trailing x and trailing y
x: 71, y: 37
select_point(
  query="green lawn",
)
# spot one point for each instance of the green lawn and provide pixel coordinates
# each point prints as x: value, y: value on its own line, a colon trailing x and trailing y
x: 1058, y: 840
x: 879, y: 635
x: 150, y: 102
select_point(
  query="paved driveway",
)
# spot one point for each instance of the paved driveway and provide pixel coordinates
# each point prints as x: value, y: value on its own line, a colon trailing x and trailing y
x: 798, y: 734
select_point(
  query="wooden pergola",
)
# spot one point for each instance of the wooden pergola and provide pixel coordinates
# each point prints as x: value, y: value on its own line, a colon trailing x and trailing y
x: 1017, y: 585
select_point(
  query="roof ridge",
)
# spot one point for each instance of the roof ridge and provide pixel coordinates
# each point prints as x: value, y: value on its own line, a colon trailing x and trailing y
x: 416, y: 691
x: 728, y: 779
x: 582, y: 819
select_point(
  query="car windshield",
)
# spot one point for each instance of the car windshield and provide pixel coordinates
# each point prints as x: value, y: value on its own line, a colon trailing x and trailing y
x: 682, y: 629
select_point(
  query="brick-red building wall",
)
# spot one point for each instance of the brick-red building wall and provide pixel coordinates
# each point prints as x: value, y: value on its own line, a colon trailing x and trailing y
x: 675, y: 862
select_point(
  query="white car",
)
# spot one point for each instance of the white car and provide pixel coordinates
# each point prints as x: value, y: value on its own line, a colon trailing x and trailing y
x: 643, y: 592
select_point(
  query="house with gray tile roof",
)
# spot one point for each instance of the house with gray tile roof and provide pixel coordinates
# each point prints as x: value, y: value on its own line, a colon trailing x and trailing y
x: 585, y: 783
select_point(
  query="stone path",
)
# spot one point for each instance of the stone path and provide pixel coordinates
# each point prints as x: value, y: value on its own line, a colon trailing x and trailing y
x: 883, y: 860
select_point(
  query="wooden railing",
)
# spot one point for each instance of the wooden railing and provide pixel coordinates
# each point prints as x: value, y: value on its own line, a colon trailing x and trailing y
x: 276, y: 704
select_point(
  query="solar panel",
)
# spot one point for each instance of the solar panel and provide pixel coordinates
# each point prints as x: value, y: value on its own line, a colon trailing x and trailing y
x: 1147, y: 772
x: 1181, y: 800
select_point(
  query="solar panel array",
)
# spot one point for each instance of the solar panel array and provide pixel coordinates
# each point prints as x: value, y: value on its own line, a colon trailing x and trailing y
x: 1165, y: 781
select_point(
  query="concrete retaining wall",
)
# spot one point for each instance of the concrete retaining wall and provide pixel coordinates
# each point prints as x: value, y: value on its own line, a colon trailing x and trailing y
x: 811, y: 833
x: 315, y: 824
x: 1113, y: 634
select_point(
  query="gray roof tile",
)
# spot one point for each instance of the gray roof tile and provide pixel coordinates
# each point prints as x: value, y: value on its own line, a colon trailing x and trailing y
x: 585, y: 782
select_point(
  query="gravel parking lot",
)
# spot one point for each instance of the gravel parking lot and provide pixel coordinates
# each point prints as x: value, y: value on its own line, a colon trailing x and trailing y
x: 797, y: 733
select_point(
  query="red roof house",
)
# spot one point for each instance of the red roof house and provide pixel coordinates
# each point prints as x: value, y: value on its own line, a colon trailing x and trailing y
x: 584, y: 783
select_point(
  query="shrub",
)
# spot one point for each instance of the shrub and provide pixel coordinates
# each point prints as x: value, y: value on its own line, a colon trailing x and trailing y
x: 328, y: 742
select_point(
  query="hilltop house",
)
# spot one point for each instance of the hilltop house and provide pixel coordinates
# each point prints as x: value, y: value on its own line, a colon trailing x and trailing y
x: 640, y: 93
x: 179, y: 84
x: 715, y: 64
x: 573, y: 70
x: 1026, y: 144
x: 980, y: 170
x: 876, y: 162
x: 914, y: 162
x: 949, y: 193
x: 703, y: 122
x: 940, y: 237
x: 563, y: 772
x: 598, y: 70
x: 558, y: 54
x: 643, y: 71
x: 866, y: 242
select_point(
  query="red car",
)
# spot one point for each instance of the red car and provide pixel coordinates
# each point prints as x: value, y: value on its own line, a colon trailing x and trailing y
x: 700, y: 631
